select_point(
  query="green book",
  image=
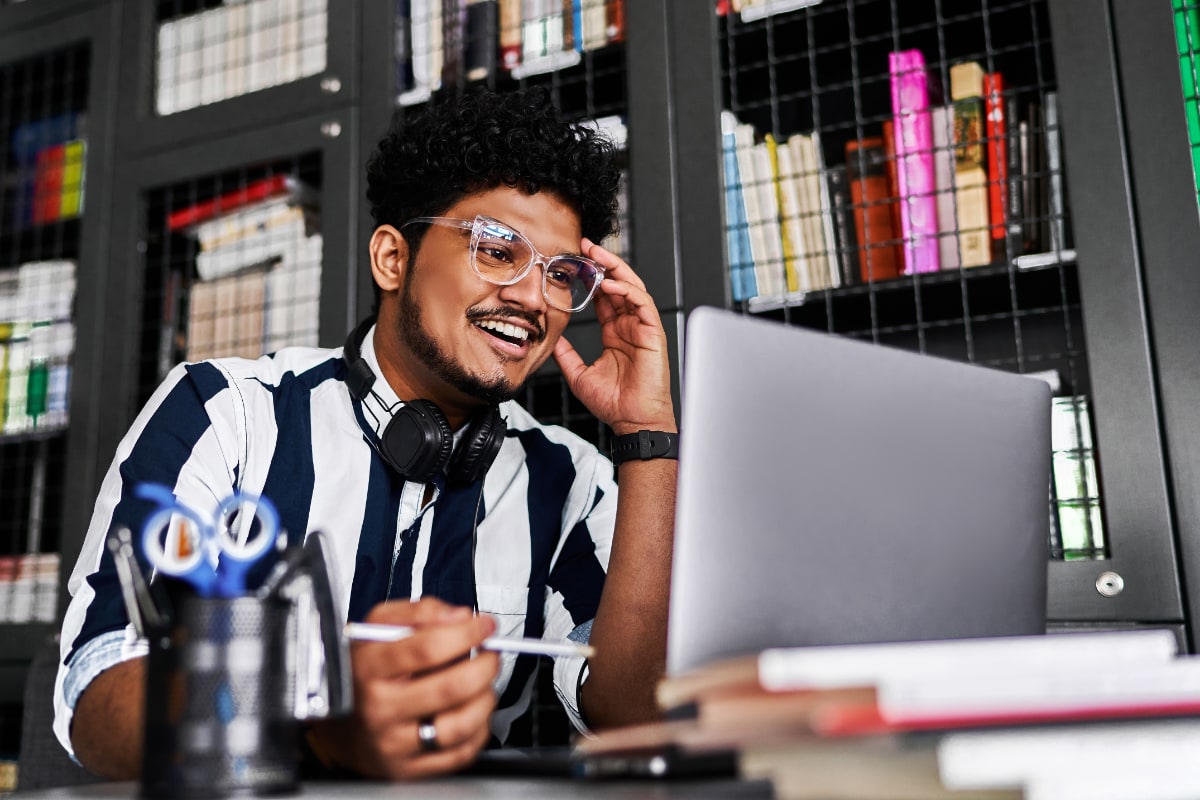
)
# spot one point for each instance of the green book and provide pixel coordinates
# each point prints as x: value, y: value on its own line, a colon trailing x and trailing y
x: 1187, y: 40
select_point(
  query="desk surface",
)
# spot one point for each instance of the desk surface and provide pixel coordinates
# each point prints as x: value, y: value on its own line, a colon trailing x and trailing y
x: 454, y: 788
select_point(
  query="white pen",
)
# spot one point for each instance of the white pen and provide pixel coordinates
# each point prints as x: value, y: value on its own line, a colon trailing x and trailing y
x: 377, y: 632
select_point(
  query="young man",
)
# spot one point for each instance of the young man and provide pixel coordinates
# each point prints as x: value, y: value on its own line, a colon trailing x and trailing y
x: 488, y: 211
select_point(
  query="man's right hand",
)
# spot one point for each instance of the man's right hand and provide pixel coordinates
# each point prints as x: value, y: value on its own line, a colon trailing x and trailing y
x: 398, y: 686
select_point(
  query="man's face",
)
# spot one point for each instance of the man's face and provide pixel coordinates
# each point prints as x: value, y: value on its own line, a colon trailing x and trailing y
x: 481, y: 339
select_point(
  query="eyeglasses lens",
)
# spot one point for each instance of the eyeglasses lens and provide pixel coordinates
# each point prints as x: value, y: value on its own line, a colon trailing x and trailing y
x: 501, y: 254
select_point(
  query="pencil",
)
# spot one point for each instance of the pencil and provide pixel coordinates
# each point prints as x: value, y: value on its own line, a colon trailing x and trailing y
x: 376, y: 632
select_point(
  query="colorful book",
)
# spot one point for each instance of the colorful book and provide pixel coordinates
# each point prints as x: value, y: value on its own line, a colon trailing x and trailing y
x: 879, y: 256
x: 843, y: 224
x: 942, y: 119
x: 1187, y: 40
x: 787, y: 190
x: 996, y: 128
x: 737, y: 234
x: 914, y: 160
x: 74, y: 155
x: 48, y: 184
x: 970, y: 164
x: 510, y: 33
x: 258, y: 190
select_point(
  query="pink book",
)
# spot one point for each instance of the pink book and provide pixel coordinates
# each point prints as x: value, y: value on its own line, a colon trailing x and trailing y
x: 914, y: 161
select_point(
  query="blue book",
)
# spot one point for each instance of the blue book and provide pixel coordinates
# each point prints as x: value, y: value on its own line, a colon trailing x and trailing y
x: 737, y: 234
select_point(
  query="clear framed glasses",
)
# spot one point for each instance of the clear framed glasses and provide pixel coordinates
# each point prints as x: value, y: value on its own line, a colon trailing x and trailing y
x: 504, y: 256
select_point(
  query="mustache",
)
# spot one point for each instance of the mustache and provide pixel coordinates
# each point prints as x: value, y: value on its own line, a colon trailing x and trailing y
x: 504, y: 312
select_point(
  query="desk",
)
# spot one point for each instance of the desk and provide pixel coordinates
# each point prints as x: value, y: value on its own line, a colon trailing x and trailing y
x: 462, y: 787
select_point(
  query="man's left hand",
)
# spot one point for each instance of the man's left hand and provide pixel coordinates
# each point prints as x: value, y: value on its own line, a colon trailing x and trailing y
x: 629, y: 385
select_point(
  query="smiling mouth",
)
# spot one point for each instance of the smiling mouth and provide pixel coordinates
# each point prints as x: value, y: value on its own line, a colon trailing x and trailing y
x: 505, y: 331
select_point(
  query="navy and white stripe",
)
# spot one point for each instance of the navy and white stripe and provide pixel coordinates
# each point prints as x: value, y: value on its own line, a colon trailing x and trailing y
x: 286, y: 426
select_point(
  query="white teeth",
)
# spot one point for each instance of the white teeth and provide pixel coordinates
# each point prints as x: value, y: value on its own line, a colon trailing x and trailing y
x: 511, y: 331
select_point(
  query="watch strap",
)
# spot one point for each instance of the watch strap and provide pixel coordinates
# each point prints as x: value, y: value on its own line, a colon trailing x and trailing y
x: 644, y: 445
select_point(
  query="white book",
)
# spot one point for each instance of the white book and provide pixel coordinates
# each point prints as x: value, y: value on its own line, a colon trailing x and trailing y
x: 791, y: 212
x: 534, y: 39
x: 16, y: 420
x: 166, y: 76
x: 1016, y: 757
x: 1021, y: 691
x: 188, y: 62
x: 237, y: 22
x: 241, y: 223
x: 786, y: 669
x: 265, y: 44
x: 828, y: 239
x: 804, y: 150
x: 942, y: 121
x: 214, y: 60
x: 289, y: 41
x: 1163, y: 780
x: 314, y: 23
x: 769, y: 270
x: 275, y: 239
x: 595, y: 24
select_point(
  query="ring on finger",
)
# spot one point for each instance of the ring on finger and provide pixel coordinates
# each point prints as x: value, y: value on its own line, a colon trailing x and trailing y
x: 427, y: 735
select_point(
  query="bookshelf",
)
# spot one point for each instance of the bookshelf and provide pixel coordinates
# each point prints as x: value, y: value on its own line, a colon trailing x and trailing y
x: 824, y: 68
x: 1115, y: 321
x: 54, y: 140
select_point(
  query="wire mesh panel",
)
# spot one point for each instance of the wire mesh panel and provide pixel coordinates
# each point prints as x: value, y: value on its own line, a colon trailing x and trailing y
x: 43, y: 150
x: 232, y: 266
x: 207, y: 51
x: 1187, y: 42
x: 894, y: 173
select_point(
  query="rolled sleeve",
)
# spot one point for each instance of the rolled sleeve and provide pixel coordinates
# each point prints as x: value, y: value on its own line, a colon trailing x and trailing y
x: 95, y: 656
x: 569, y: 674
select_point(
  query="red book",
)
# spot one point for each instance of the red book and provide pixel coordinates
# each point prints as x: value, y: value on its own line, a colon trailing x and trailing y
x: 615, y: 20
x: 251, y: 193
x: 48, y: 184
x: 996, y: 130
x: 879, y: 253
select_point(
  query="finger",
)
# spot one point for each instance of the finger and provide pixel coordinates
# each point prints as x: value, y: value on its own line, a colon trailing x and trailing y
x: 458, y: 725
x: 443, y: 761
x: 613, y: 264
x: 387, y: 702
x: 460, y: 734
x: 415, y: 613
x: 429, y: 647
x: 569, y: 360
x: 631, y: 299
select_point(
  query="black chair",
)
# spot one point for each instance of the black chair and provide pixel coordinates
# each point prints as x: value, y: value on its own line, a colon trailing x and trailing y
x: 42, y: 763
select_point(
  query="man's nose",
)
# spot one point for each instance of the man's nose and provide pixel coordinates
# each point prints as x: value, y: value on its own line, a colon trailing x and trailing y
x: 527, y: 292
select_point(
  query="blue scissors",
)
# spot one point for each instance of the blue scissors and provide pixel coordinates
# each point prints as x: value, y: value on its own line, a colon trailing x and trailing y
x: 212, y: 558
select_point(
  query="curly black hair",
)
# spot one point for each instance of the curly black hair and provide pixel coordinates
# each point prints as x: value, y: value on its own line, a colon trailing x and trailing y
x: 480, y: 140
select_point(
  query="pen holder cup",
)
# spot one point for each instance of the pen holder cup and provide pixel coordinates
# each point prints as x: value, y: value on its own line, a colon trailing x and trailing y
x: 219, y: 688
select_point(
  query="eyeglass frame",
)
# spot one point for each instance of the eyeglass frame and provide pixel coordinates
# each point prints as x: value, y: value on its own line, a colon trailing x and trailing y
x: 475, y: 226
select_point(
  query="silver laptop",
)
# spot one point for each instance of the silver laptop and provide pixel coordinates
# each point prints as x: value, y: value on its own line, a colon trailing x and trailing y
x: 834, y: 492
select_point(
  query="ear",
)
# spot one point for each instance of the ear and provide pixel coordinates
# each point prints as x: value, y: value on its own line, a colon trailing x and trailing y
x: 389, y: 257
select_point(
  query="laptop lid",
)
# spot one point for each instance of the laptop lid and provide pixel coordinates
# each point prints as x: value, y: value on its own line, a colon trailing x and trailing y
x: 833, y: 491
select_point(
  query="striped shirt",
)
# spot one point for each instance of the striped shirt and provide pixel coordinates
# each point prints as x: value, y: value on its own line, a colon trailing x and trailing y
x: 285, y: 426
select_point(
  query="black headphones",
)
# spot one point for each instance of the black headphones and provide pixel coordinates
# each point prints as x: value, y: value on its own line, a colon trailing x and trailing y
x: 417, y: 441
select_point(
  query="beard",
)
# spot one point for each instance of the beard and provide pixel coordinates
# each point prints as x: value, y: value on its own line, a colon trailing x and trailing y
x: 429, y: 352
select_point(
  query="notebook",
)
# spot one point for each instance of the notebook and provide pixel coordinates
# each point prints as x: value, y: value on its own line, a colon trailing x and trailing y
x: 833, y: 491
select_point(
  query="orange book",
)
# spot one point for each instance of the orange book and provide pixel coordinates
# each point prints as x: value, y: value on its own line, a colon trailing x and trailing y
x: 615, y: 20
x: 879, y: 252
x: 894, y: 207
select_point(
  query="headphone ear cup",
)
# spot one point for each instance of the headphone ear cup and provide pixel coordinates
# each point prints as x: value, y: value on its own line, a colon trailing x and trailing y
x: 417, y: 442
x: 481, y: 443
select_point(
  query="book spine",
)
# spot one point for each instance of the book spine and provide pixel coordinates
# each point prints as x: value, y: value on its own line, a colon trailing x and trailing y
x: 867, y: 175
x: 258, y: 190
x: 825, y: 234
x: 736, y: 241
x: 970, y: 166
x: 1015, y: 211
x: 48, y: 184
x: 785, y: 212
x: 510, y: 33
x: 1055, y: 192
x: 943, y: 178
x: 454, y: 31
x: 914, y: 161
x: 843, y: 224
x: 614, y: 18
x: 997, y: 157
x: 402, y: 53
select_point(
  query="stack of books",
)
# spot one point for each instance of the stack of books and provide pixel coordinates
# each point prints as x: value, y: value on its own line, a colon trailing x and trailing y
x: 1098, y: 714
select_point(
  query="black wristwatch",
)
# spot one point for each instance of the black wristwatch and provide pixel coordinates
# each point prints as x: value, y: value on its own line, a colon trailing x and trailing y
x: 644, y: 445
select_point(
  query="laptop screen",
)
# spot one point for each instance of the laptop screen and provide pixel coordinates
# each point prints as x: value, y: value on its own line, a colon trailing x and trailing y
x: 834, y: 492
